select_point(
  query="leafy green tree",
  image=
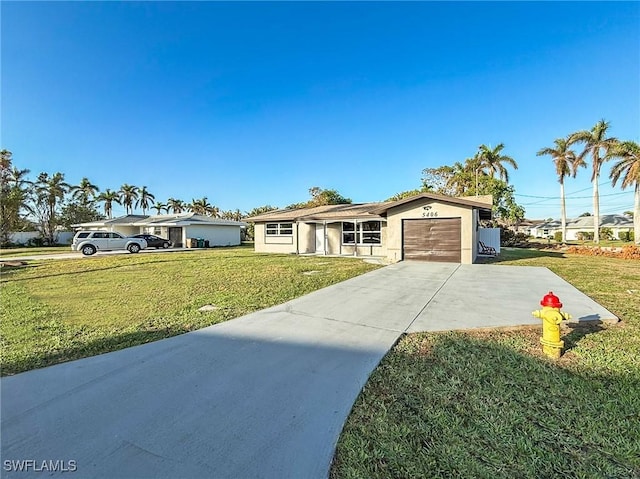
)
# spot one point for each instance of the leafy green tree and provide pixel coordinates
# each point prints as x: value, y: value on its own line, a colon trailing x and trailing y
x: 128, y: 194
x: 491, y: 161
x: 566, y: 162
x: 260, y: 210
x: 407, y: 194
x: 597, y: 145
x: 108, y: 197
x: 320, y: 197
x: 86, y: 192
x: 505, y: 209
x: 48, y: 193
x: 74, y: 212
x: 627, y: 169
x: 145, y: 200
x: 438, y: 179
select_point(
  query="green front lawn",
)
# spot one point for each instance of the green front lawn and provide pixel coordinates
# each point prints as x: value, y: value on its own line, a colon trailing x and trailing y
x: 33, y: 250
x: 54, y: 311
x: 488, y: 404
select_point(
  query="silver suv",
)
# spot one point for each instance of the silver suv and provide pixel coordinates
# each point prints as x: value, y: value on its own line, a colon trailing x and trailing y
x: 88, y: 242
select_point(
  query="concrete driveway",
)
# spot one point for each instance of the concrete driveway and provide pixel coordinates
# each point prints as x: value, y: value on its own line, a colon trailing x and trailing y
x: 262, y: 396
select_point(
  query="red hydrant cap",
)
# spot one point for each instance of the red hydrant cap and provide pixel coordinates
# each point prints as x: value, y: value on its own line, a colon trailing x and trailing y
x: 551, y: 300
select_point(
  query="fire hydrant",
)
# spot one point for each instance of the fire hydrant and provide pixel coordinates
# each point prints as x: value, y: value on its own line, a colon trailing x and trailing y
x: 551, y: 318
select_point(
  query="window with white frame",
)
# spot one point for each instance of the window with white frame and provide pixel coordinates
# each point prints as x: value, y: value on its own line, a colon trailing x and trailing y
x: 367, y: 232
x: 279, y: 229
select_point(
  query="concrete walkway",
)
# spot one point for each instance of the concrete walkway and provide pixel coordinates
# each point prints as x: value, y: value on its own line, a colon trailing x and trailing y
x: 262, y: 396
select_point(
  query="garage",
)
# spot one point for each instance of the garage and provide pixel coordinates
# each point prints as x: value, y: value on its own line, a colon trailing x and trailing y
x: 433, y: 239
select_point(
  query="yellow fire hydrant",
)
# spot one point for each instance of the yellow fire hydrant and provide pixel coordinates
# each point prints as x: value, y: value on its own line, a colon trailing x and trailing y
x: 551, y: 318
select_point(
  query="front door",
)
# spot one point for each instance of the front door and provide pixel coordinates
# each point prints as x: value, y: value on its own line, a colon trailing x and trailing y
x: 175, y: 236
x: 320, y: 239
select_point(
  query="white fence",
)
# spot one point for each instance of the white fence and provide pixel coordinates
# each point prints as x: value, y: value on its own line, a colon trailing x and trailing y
x: 490, y: 237
x: 23, y: 237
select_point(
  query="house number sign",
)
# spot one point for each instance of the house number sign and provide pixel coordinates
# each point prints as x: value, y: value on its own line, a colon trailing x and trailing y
x: 427, y: 213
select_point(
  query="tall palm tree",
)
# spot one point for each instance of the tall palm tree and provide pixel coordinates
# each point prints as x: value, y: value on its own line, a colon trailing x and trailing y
x: 566, y: 162
x: 128, y: 193
x: 84, y: 191
x: 491, y: 161
x: 175, y: 206
x: 628, y: 168
x: 49, y: 191
x: 597, y: 145
x: 145, y: 199
x: 14, y: 190
x: 160, y: 207
x: 108, y: 197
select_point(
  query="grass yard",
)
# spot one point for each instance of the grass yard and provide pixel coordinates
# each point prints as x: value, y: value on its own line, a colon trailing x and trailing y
x: 33, y: 250
x: 59, y: 310
x: 488, y: 404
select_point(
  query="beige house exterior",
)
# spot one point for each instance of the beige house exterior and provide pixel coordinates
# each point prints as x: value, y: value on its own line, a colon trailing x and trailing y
x: 426, y: 227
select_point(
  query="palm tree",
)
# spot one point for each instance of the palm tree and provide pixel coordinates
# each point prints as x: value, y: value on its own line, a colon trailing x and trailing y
x: 49, y: 191
x: 200, y: 206
x: 145, y: 199
x: 109, y: 197
x: 127, y: 194
x: 84, y: 191
x: 491, y: 161
x: 213, y: 211
x: 459, y: 180
x: 176, y: 206
x: 13, y: 195
x: 628, y: 168
x: 597, y: 145
x: 566, y: 163
x: 159, y: 207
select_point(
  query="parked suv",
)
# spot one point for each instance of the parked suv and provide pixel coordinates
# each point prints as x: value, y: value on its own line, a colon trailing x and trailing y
x: 88, y: 242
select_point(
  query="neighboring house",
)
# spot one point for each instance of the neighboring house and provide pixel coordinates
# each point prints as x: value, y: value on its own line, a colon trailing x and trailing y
x: 176, y: 228
x: 617, y: 224
x: 527, y: 226
x: 425, y: 227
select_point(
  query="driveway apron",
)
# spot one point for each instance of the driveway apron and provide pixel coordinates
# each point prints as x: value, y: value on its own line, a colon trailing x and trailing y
x: 261, y: 396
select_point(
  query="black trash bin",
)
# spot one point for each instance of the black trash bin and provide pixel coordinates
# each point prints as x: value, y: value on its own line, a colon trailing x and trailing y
x: 206, y: 243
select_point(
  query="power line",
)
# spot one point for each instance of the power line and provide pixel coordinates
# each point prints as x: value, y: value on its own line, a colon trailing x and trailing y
x: 573, y: 197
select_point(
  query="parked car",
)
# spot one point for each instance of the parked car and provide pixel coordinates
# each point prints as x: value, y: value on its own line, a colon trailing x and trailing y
x: 88, y: 242
x: 154, y: 241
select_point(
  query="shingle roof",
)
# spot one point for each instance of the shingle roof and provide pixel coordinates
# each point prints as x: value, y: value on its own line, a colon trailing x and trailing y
x: 355, y: 211
x: 586, y: 222
x: 174, y: 219
x: 358, y: 211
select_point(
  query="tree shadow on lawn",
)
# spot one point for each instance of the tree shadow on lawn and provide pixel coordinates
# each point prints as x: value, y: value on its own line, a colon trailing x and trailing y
x: 490, y: 405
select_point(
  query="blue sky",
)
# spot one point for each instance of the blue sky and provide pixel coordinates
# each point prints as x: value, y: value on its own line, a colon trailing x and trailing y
x: 254, y: 103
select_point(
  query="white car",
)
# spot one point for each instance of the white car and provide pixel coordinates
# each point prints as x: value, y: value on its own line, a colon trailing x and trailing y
x: 88, y: 242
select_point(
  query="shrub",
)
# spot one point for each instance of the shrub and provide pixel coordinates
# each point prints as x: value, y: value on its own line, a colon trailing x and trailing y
x: 584, y: 235
x: 510, y: 238
x: 557, y: 236
x: 606, y: 234
x: 626, y: 235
